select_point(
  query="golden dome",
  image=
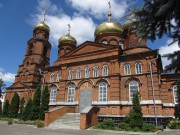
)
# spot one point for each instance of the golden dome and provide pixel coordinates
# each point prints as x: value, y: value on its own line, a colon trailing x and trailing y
x: 108, y: 27
x: 67, y: 39
x: 42, y: 26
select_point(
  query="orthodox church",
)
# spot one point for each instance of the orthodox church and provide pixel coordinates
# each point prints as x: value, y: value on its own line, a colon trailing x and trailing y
x: 103, y: 73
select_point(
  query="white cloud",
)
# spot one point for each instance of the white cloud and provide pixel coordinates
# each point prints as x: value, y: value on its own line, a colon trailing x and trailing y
x: 168, y: 49
x: 7, y: 77
x: 99, y: 8
x: 82, y: 28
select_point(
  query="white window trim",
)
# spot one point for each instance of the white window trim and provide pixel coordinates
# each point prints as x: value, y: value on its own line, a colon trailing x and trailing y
x: 174, y: 94
x: 85, y: 72
x: 52, y: 89
x: 94, y: 71
x: 78, y: 77
x: 52, y: 80
x: 99, y: 94
x: 70, y: 74
x: 128, y: 65
x: 130, y: 90
x: 73, y: 95
x: 103, y: 70
x: 137, y: 64
x: 58, y: 77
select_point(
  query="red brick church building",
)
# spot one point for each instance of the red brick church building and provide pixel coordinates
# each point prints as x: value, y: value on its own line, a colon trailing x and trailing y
x: 103, y: 73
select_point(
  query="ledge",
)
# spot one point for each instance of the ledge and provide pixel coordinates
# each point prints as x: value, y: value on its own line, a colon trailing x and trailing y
x: 144, y: 102
x: 64, y: 103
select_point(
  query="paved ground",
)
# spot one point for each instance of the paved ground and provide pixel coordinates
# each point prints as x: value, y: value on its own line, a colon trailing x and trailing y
x: 18, y: 129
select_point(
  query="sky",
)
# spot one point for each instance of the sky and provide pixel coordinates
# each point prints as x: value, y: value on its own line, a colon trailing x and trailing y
x: 18, y: 18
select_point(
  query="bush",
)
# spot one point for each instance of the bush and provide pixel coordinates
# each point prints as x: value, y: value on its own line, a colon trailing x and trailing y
x: 148, y: 127
x: 174, y: 124
x: 124, y: 125
x: 10, y: 121
x: 106, y: 124
x: 28, y: 122
x: 40, y: 124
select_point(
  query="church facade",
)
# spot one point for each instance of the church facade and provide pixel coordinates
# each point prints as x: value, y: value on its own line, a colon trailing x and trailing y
x: 103, y: 73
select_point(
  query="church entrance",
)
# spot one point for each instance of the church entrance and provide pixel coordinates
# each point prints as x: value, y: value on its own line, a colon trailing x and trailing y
x: 85, y: 99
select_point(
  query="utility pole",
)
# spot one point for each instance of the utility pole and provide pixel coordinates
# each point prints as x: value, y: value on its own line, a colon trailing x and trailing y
x: 152, y: 82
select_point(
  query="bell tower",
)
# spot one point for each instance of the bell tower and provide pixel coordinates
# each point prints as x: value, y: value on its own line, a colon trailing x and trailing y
x: 36, y: 57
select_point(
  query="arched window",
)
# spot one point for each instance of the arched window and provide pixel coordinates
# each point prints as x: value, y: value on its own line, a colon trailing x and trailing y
x: 70, y: 76
x: 71, y: 93
x: 87, y: 74
x: 121, y: 44
x: 78, y: 73
x: 95, y: 71
x: 104, y: 42
x: 105, y: 70
x: 102, y: 92
x: 133, y: 88
x: 127, y: 69
x: 58, y: 77
x: 175, y: 94
x: 138, y: 66
x: 52, y: 78
x: 53, y: 94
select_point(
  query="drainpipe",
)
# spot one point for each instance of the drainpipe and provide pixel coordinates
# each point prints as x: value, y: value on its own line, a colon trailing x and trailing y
x: 152, y: 82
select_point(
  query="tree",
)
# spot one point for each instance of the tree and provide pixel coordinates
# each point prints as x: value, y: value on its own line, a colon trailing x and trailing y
x: 156, y: 18
x: 14, y: 107
x: 44, y: 103
x: 36, y: 104
x: 0, y: 108
x: 136, y: 116
x: 27, y: 112
x: 22, y: 101
x: 6, y: 108
x: 2, y: 85
x: 178, y: 97
x: 175, y: 61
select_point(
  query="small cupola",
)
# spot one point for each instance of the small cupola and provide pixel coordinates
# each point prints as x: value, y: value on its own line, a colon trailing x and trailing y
x: 66, y: 43
x: 68, y: 39
x: 109, y: 32
x: 42, y: 25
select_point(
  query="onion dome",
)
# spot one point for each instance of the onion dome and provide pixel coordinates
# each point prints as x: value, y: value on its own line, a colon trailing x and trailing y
x: 109, y: 27
x: 67, y: 39
x: 42, y: 25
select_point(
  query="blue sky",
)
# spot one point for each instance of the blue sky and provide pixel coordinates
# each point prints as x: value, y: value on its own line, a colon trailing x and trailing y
x: 17, y: 20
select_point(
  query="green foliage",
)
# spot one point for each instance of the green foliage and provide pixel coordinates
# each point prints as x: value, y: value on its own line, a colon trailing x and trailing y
x: 44, y: 103
x: 1, y: 85
x: 14, y: 107
x: 148, y: 127
x: 5, y: 118
x: 6, y: 108
x: 27, y: 112
x: 174, y: 124
x: 156, y: 18
x: 21, y: 107
x: 124, y: 126
x: 0, y: 108
x: 136, y: 117
x: 178, y: 97
x: 40, y: 124
x: 106, y: 124
x: 28, y: 122
x: 10, y: 121
x: 36, y: 104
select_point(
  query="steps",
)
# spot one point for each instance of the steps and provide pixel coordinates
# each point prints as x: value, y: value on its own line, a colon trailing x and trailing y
x: 67, y: 121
